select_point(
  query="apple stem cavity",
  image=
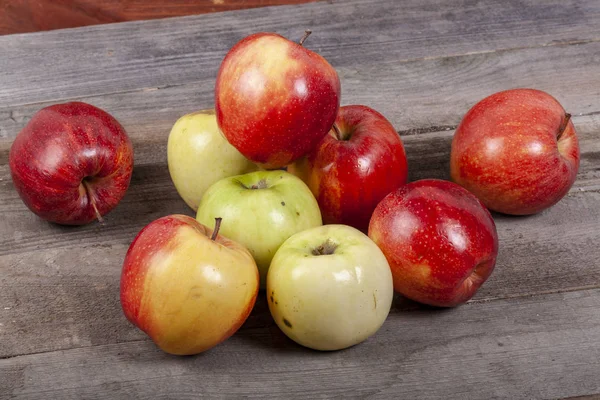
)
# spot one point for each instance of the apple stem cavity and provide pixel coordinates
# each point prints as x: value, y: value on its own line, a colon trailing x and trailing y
x: 327, y: 248
x: 262, y: 184
x: 92, y: 198
x: 216, y: 230
x: 306, y: 35
x: 563, y: 126
x: 338, y: 134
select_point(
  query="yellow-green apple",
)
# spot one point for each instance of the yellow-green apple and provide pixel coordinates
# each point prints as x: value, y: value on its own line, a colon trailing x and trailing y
x: 198, y: 155
x: 354, y: 167
x: 71, y: 163
x: 188, y: 287
x: 275, y: 99
x: 263, y: 209
x: 517, y: 151
x: 439, y: 239
x: 329, y: 287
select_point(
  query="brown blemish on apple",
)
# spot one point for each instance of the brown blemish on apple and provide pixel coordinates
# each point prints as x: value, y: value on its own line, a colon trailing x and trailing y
x: 287, y: 323
x: 375, y: 301
x: 283, y: 203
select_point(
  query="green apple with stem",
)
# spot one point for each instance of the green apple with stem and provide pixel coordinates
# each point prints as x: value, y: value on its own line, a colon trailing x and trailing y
x: 329, y: 287
x: 263, y: 209
x: 198, y: 155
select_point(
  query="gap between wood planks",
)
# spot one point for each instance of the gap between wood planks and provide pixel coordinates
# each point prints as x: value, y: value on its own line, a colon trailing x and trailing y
x: 553, y: 43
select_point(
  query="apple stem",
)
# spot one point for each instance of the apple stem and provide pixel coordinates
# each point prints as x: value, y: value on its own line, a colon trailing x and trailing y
x: 91, y: 196
x: 338, y: 134
x: 306, y: 35
x: 217, y: 227
x: 563, y: 126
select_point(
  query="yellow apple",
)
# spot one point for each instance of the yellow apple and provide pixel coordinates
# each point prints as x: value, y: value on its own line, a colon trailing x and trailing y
x: 199, y: 155
x: 186, y: 286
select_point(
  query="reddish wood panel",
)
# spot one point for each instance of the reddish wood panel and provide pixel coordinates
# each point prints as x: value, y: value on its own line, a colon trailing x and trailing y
x: 19, y: 16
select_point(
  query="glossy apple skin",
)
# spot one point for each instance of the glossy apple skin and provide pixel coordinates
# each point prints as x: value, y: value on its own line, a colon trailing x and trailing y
x: 329, y: 301
x: 198, y: 155
x: 506, y: 152
x: 275, y: 100
x: 350, y: 175
x: 439, y: 239
x: 263, y: 209
x: 68, y: 158
x: 186, y: 291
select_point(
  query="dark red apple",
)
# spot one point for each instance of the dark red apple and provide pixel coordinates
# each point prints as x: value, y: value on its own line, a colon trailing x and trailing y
x: 517, y: 151
x: 71, y: 163
x: 439, y: 239
x: 275, y: 99
x: 354, y: 167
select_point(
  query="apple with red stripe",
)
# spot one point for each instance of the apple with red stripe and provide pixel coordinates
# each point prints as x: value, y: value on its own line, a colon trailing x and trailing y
x: 439, y: 239
x: 357, y: 164
x: 516, y: 150
x: 186, y: 286
x: 72, y: 163
x: 275, y: 99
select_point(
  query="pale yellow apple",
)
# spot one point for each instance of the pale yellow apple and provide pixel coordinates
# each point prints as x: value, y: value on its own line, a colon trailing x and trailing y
x: 199, y: 155
x: 329, y: 287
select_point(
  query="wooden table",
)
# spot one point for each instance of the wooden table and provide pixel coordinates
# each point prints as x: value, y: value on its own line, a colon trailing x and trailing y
x: 532, y: 331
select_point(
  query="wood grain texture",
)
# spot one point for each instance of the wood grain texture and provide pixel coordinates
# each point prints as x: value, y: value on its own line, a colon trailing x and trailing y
x: 538, y: 254
x: 537, y: 348
x: 20, y: 16
x: 130, y: 56
x: 532, y: 331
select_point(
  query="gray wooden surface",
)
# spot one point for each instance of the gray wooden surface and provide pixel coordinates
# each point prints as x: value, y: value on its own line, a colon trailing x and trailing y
x: 532, y: 331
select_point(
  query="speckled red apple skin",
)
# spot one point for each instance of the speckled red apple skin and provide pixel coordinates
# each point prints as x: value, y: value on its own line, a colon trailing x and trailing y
x: 275, y: 99
x: 59, y: 147
x: 439, y: 239
x: 506, y: 152
x: 350, y: 177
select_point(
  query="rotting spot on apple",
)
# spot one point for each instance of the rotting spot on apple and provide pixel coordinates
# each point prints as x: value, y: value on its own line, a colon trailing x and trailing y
x: 287, y: 323
x: 283, y: 203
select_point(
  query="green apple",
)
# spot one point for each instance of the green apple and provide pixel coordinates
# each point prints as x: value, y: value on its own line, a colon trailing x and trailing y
x: 329, y: 287
x: 199, y: 155
x: 260, y: 210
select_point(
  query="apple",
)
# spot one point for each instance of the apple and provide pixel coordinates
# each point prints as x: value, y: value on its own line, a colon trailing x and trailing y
x: 198, y: 155
x: 329, y: 287
x: 354, y: 167
x: 517, y: 151
x: 71, y: 163
x: 186, y: 286
x: 439, y: 239
x: 275, y: 100
x: 263, y: 209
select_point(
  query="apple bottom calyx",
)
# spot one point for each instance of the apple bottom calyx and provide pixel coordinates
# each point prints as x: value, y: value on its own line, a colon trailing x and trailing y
x: 327, y: 248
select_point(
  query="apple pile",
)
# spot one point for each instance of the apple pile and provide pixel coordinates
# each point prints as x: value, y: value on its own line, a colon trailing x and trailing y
x: 299, y: 198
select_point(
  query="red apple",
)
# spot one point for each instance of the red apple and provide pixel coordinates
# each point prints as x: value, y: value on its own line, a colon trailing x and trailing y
x: 71, y: 163
x: 186, y: 286
x: 275, y: 100
x: 439, y: 239
x: 354, y: 167
x: 517, y: 151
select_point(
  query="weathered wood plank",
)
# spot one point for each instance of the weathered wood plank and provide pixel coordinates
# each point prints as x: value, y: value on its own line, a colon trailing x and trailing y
x: 73, y: 304
x: 544, y: 347
x: 129, y: 56
x: 62, y: 283
x: 416, y: 96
